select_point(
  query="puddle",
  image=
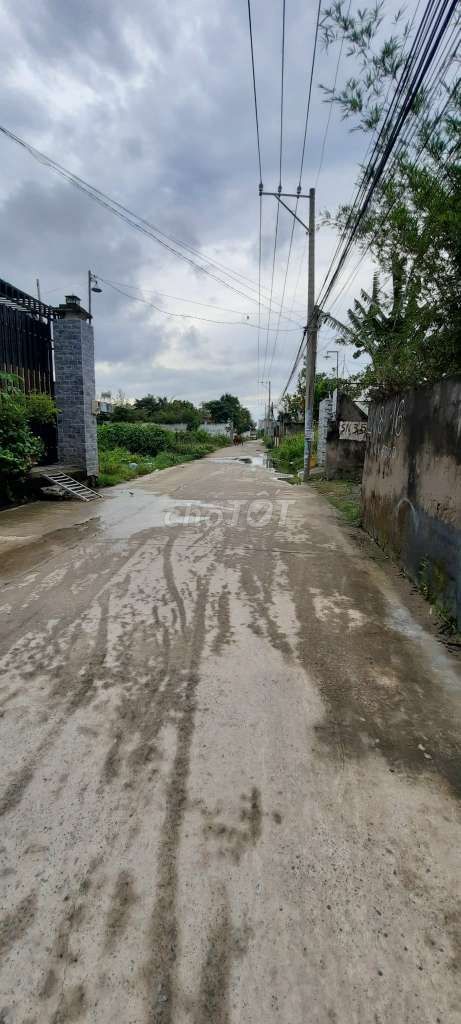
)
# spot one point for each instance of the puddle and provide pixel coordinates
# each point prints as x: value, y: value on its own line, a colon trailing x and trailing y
x: 123, y: 515
x: 262, y: 460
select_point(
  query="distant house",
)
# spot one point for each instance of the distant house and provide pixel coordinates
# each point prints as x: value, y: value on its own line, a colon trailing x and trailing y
x: 104, y: 403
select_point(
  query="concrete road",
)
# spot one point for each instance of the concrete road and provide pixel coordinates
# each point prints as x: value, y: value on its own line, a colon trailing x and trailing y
x: 230, y: 764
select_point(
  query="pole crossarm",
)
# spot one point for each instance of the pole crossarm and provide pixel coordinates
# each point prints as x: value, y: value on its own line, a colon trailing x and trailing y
x: 289, y: 195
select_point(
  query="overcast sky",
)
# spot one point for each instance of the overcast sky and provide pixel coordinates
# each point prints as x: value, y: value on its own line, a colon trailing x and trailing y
x: 152, y: 102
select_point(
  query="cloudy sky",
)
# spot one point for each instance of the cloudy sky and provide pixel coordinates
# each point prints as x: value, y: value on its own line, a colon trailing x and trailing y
x: 151, y: 101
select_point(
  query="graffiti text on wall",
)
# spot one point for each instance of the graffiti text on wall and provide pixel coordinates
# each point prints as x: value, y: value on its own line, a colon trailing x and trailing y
x: 385, y: 427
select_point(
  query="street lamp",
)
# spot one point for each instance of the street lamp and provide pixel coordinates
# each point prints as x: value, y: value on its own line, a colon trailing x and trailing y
x: 93, y: 286
x: 334, y: 352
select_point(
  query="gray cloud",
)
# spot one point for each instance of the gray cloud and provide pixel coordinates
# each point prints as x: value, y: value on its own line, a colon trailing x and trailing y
x: 152, y: 103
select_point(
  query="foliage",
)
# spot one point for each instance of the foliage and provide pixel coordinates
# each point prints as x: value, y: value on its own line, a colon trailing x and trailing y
x: 120, y: 414
x: 144, y: 438
x: 114, y: 466
x: 379, y: 60
x: 162, y: 410
x: 292, y: 406
x: 158, y: 410
x: 290, y: 453
x: 40, y: 408
x: 344, y: 495
x: 389, y: 326
x: 412, y: 227
x: 19, y: 448
x: 227, y: 408
x: 118, y: 447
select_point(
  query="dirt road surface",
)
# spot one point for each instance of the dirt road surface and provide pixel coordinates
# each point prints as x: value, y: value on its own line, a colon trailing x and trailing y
x: 230, y: 764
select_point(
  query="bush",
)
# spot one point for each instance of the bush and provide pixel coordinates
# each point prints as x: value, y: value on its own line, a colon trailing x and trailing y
x: 40, y: 408
x: 144, y: 438
x: 114, y: 466
x: 19, y: 448
x: 149, y: 447
x: 290, y: 452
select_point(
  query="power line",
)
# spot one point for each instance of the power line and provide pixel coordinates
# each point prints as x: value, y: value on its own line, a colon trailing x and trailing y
x: 281, y: 94
x: 182, y: 316
x: 259, y: 276
x: 178, y: 298
x: 309, y: 94
x: 327, y: 126
x: 272, y: 285
x: 369, y: 170
x: 134, y: 220
x: 372, y: 178
x: 393, y: 132
x: 290, y: 247
x: 254, y: 91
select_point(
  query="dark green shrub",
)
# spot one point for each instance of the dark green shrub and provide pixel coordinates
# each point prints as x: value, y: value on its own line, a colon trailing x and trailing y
x: 19, y: 448
x: 145, y: 438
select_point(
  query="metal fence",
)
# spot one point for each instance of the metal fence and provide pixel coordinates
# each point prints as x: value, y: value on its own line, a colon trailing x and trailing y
x: 26, y: 347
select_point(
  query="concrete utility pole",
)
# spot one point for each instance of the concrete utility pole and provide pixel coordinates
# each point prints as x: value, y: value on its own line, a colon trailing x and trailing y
x: 311, y: 341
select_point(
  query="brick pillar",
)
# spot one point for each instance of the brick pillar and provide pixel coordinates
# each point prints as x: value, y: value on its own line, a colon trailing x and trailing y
x: 75, y: 388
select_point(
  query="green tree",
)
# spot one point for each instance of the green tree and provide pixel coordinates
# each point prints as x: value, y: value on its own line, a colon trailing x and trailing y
x: 227, y: 408
x: 411, y: 328
x: 293, y: 405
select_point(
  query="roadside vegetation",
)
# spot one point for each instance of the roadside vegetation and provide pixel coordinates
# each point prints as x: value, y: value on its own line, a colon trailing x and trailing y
x: 21, y: 447
x: 289, y: 455
x: 408, y: 321
x: 344, y: 495
x: 163, y: 411
x: 128, y: 450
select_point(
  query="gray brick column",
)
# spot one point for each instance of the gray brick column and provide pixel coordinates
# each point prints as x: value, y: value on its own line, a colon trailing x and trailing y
x: 75, y: 393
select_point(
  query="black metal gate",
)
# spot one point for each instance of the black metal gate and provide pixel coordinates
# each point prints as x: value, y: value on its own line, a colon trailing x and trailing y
x: 26, y: 347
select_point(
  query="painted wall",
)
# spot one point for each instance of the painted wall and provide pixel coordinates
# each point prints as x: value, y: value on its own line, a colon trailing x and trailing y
x: 412, y: 486
x: 344, y: 455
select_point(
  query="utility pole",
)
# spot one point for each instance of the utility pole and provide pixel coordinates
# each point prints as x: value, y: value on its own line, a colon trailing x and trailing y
x: 38, y: 290
x: 311, y: 340
x: 93, y: 286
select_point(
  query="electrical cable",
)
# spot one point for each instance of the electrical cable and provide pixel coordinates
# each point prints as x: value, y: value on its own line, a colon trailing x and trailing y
x: 309, y: 95
x: 281, y: 94
x: 254, y: 91
x: 132, y: 219
x: 423, y: 145
x: 402, y: 115
x: 183, y: 316
x: 272, y: 285
x: 327, y: 127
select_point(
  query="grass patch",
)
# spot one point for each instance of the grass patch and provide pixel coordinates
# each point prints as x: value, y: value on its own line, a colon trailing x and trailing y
x: 344, y: 495
x: 118, y: 464
x: 289, y: 455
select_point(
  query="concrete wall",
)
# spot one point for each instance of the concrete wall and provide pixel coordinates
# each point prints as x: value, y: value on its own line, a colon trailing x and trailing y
x: 344, y: 457
x: 325, y: 417
x: 412, y: 486
x: 75, y: 394
x: 215, y: 429
x: 175, y: 428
